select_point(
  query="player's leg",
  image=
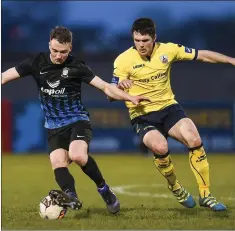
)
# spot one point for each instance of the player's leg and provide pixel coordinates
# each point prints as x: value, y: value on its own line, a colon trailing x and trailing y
x: 157, y: 143
x: 78, y: 153
x: 186, y: 132
x: 59, y: 163
x: 58, y: 140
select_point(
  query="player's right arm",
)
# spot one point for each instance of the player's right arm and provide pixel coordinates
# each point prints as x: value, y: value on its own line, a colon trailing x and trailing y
x: 87, y: 76
x: 115, y: 93
x: 23, y: 69
x: 10, y: 75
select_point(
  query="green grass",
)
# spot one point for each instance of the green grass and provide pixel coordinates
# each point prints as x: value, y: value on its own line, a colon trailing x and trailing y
x: 27, y: 179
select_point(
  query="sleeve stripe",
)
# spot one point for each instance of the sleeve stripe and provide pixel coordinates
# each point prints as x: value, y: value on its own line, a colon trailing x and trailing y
x: 196, y: 53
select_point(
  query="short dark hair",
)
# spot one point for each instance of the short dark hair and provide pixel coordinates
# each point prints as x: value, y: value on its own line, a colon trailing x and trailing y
x: 61, y: 34
x: 144, y: 26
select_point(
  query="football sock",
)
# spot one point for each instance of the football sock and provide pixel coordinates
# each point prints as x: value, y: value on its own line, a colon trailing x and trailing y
x: 164, y: 164
x: 65, y: 180
x: 200, y: 167
x: 92, y: 170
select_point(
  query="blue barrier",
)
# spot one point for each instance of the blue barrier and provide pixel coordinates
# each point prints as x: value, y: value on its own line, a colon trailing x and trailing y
x: 112, y: 131
x: 28, y: 132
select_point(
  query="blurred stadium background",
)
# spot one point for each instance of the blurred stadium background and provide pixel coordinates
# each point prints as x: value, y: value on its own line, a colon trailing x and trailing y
x: 100, y: 34
x: 101, y: 31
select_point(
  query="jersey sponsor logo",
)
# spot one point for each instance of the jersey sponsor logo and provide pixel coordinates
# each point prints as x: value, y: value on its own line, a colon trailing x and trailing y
x: 115, y: 80
x: 188, y: 50
x: 65, y: 72
x: 138, y: 66
x: 160, y: 75
x: 164, y: 58
x: 53, y: 92
x: 54, y: 84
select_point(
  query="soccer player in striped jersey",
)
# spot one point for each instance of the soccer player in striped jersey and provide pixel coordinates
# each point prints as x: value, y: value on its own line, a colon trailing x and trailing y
x: 59, y: 76
x: 144, y: 69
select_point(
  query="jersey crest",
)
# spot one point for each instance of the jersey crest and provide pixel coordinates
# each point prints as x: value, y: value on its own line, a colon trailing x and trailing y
x: 164, y: 58
x: 65, y: 72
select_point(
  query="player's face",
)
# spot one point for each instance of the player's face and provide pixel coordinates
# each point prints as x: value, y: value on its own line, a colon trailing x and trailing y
x: 59, y: 51
x: 143, y: 43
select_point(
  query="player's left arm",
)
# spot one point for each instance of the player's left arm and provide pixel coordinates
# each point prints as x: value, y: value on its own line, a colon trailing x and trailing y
x: 120, y: 75
x: 113, y: 92
x: 214, y: 57
x: 181, y: 52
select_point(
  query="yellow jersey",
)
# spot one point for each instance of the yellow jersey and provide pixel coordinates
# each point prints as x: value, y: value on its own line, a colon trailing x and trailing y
x: 151, y: 77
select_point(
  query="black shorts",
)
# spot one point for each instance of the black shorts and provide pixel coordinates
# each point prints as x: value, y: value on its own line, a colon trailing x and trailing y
x: 162, y: 120
x: 62, y: 137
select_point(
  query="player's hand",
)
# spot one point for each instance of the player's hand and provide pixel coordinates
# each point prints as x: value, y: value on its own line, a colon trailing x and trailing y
x: 137, y: 99
x: 125, y: 84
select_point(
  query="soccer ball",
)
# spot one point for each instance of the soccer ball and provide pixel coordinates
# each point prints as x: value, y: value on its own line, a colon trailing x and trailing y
x: 49, y: 210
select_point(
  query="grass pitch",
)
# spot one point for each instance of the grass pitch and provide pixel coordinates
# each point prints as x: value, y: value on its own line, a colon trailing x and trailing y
x: 146, y: 203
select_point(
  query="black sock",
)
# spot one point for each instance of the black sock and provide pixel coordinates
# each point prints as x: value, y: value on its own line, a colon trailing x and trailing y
x: 65, y: 180
x: 92, y: 170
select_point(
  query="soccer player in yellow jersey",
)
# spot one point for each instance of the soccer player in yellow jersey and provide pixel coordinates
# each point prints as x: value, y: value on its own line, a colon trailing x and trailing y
x: 145, y: 70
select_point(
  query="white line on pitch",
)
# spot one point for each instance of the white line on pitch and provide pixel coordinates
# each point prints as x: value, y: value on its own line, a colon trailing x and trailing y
x: 123, y: 189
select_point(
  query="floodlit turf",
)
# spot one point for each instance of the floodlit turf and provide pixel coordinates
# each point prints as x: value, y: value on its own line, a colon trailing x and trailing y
x: 146, y: 203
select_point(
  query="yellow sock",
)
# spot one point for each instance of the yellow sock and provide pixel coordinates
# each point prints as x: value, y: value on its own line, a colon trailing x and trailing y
x: 166, y: 168
x: 200, y: 167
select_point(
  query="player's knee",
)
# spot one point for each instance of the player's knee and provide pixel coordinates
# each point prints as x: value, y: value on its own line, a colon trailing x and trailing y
x: 59, y: 159
x: 58, y: 163
x: 194, y: 141
x: 160, y: 148
x: 78, y: 152
x: 79, y: 158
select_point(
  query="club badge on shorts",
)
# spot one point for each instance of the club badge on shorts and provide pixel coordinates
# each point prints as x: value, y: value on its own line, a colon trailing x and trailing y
x: 65, y: 72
